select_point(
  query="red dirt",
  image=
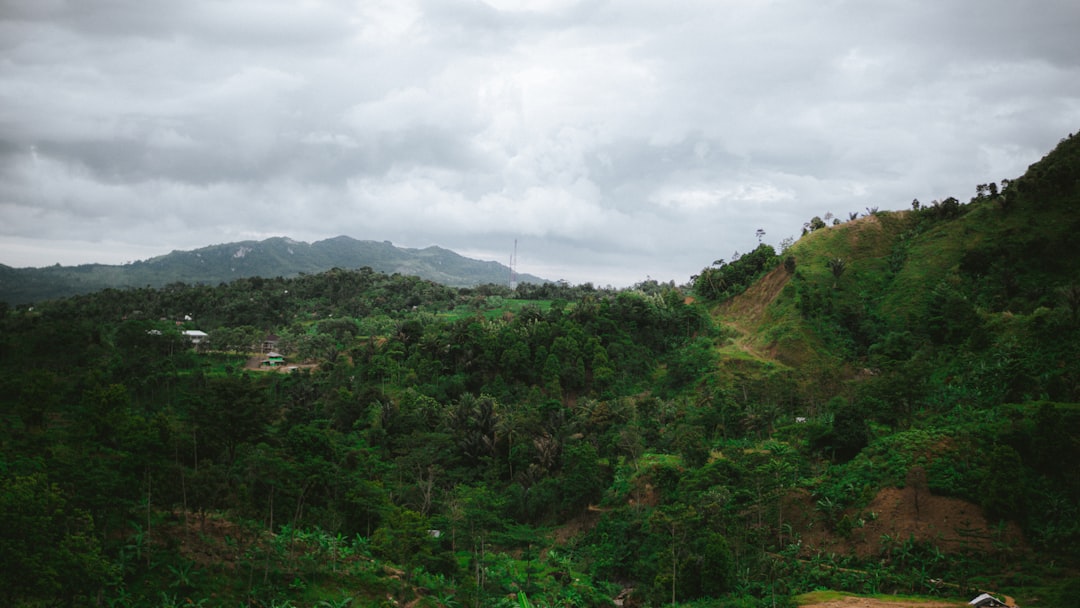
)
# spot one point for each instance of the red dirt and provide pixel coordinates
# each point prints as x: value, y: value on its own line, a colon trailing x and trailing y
x: 951, y: 524
x: 748, y: 308
x: 866, y: 602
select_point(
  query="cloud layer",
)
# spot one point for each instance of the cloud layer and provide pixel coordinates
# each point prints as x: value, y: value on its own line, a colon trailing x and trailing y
x: 614, y: 140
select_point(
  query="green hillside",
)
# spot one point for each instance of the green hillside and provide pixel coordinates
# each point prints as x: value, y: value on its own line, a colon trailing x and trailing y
x: 273, y: 257
x: 888, y: 406
x: 980, y: 282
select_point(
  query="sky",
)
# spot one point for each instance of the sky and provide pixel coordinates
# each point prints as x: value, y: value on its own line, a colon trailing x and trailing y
x: 614, y: 140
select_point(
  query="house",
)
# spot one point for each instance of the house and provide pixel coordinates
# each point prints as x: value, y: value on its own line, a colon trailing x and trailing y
x: 274, y: 359
x: 270, y: 343
x: 195, y: 336
x: 986, y: 601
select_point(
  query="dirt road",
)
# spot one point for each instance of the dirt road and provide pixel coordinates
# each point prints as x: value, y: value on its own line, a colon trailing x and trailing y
x: 866, y: 602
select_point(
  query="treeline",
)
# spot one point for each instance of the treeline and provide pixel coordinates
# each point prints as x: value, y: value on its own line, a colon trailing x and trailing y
x: 725, y: 280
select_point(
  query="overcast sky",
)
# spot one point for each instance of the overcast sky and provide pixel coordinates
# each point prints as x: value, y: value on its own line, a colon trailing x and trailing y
x: 615, y: 140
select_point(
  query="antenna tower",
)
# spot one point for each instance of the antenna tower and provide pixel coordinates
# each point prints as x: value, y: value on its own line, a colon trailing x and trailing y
x: 513, y: 267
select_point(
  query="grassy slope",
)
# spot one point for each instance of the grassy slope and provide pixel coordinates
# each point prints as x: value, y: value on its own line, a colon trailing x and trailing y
x: 894, y: 263
x: 1009, y: 258
x: 772, y: 333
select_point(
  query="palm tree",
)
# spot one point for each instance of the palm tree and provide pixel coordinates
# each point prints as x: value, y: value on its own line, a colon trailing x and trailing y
x: 837, y: 266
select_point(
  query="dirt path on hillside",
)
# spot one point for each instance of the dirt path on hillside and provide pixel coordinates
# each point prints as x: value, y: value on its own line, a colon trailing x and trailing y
x: 742, y: 341
x: 867, y: 602
x: 748, y: 308
x: 744, y: 313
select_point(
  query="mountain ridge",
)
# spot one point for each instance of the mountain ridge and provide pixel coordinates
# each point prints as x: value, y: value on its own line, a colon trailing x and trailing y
x: 278, y: 256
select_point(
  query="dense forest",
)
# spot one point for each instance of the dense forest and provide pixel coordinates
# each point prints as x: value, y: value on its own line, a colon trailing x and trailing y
x: 887, y: 405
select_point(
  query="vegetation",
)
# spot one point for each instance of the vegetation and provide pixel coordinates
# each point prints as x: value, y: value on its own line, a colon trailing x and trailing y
x: 727, y: 279
x: 889, y: 406
x: 272, y: 257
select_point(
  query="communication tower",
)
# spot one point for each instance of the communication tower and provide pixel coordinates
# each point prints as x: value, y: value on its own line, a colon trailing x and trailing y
x: 513, y: 267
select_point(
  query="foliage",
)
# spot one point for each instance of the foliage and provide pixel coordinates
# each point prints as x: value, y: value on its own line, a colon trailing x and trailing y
x: 723, y: 279
x: 273, y: 257
x: 558, y: 444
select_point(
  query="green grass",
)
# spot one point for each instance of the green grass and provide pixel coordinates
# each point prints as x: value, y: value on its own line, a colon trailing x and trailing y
x: 494, y: 308
x: 894, y: 263
x: 217, y: 364
x: 659, y: 460
x: 816, y: 597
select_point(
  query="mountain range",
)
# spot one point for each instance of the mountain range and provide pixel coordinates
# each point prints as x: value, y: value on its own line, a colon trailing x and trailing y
x: 273, y: 257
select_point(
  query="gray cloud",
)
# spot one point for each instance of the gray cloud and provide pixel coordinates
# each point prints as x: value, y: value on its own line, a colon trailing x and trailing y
x: 614, y: 140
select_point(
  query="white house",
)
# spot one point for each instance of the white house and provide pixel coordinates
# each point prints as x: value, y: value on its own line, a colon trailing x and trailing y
x: 986, y: 601
x: 195, y: 336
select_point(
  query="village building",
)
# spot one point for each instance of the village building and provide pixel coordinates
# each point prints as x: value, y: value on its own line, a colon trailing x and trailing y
x: 273, y: 359
x: 270, y: 343
x: 196, y: 336
x: 987, y: 601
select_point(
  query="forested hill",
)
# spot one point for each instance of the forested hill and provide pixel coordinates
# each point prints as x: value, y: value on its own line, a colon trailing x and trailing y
x: 274, y: 257
x: 889, y: 405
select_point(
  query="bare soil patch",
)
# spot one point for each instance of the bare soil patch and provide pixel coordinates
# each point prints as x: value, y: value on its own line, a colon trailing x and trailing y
x: 746, y: 311
x: 898, y: 515
x: 868, y: 602
x: 577, y: 526
x: 748, y: 308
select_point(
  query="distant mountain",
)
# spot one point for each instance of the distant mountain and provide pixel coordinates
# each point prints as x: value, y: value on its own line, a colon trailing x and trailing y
x: 273, y: 257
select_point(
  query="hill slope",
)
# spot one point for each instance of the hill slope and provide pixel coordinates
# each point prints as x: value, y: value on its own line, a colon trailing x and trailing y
x: 932, y: 357
x: 274, y: 257
x: 947, y: 274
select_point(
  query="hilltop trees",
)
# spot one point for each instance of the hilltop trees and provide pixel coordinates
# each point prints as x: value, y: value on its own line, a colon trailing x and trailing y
x: 726, y: 279
x: 815, y: 223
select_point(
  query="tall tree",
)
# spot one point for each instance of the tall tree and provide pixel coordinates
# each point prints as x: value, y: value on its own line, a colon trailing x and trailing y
x: 836, y: 266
